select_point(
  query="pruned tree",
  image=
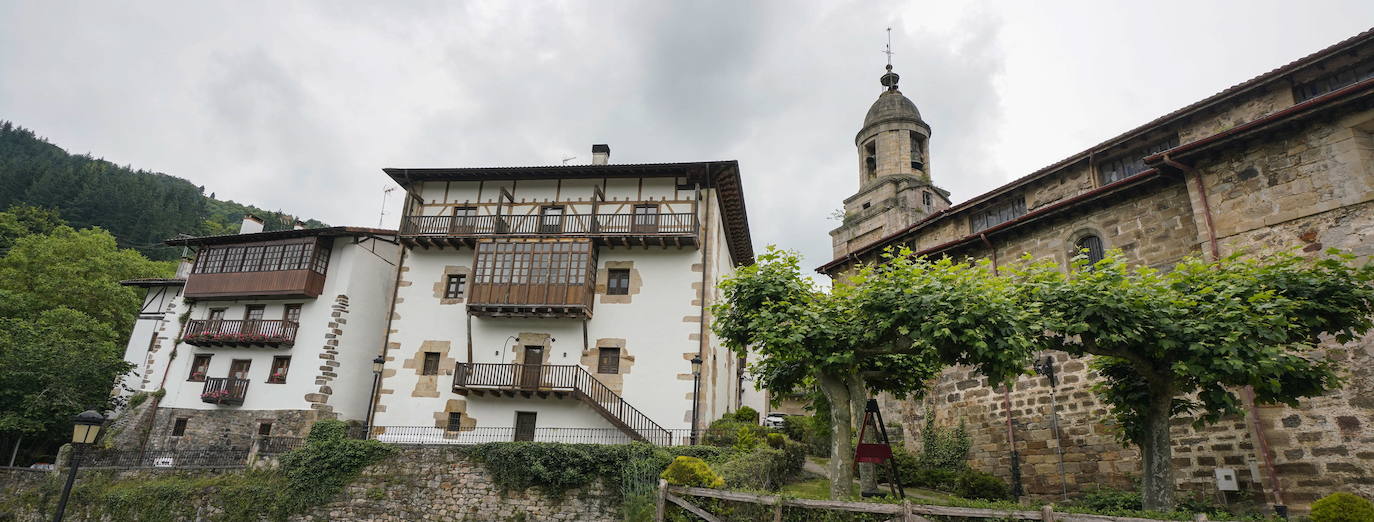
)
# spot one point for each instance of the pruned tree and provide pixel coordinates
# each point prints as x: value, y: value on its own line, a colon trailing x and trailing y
x: 889, y: 329
x: 1181, y: 343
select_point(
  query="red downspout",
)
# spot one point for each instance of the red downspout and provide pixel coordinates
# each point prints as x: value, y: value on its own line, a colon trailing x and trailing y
x: 1247, y: 392
x: 1006, y: 395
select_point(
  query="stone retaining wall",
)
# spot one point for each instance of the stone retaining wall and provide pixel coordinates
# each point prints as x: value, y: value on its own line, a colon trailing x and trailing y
x: 417, y: 483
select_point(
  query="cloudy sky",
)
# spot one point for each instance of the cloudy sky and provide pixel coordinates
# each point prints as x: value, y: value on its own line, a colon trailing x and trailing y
x: 298, y: 106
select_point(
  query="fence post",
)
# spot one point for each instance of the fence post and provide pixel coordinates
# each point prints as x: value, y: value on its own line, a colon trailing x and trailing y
x: 1047, y: 513
x: 662, y: 498
x: 777, y: 510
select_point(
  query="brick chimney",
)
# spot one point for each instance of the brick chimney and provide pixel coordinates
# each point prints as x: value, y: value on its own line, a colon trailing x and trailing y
x: 251, y: 224
x: 601, y: 154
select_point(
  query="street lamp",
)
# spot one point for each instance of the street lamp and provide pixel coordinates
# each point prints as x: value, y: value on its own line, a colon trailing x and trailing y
x: 696, y: 390
x: 84, y: 432
x: 377, y: 365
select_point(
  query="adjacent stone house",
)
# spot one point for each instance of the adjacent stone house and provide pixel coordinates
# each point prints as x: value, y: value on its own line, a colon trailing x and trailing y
x: 1282, y: 161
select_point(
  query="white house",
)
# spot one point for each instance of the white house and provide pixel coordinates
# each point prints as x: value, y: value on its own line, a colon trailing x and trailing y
x: 263, y: 333
x: 562, y: 302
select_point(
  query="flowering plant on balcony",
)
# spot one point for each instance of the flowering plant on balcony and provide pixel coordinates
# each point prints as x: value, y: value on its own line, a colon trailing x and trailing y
x: 214, y: 396
x: 278, y: 377
x: 198, y: 375
x: 236, y: 337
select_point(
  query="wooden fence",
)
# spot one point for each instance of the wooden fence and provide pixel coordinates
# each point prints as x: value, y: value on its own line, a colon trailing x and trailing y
x: 906, y: 511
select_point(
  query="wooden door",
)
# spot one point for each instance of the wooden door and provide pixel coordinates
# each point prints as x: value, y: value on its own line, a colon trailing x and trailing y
x: 239, y: 368
x: 252, y: 318
x: 524, y: 425
x: 529, y: 373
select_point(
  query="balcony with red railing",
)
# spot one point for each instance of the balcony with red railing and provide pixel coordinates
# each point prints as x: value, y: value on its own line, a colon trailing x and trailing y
x: 225, y: 391
x: 232, y: 332
x: 675, y: 229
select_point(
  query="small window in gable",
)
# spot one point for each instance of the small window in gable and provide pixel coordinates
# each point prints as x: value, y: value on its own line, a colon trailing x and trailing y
x: 1090, y: 246
x: 618, y: 281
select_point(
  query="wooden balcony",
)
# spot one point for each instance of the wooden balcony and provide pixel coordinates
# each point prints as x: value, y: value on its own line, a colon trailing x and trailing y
x: 226, y: 332
x: 280, y: 283
x: 552, y: 301
x: 678, y: 229
x: 226, y: 391
x: 557, y: 381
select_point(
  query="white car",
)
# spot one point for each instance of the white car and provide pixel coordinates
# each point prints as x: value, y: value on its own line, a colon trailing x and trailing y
x: 774, y: 420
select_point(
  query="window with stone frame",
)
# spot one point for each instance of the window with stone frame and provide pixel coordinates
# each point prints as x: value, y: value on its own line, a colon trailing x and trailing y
x: 280, y: 365
x: 925, y: 198
x: 1132, y: 162
x: 1090, y: 246
x: 453, y: 286
x: 179, y: 426
x: 200, y: 365
x: 618, y: 281
x: 608, y: 360
x: 431, y: 364
x: 455, y: 421
x: 264, y: 429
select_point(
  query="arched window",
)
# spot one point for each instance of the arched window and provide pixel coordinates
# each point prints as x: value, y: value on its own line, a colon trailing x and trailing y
x: 1091, y: 246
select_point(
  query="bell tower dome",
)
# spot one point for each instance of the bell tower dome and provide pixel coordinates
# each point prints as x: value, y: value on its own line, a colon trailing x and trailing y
x: 895, y: 187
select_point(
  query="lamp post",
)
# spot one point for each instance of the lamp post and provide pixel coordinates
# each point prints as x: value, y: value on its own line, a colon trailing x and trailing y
x: 84, y: 432
x: 696, y: 390
x: 377, y: 365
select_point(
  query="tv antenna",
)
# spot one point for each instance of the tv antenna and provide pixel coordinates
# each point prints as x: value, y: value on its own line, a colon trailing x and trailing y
x: 385, y: 193
x: 569, y: 158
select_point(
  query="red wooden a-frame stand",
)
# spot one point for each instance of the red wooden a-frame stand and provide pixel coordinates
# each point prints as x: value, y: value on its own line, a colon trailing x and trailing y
x: 876, y: 453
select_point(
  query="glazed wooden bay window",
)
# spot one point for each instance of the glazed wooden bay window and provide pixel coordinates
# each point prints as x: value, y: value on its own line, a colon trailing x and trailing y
x: 533, y: 277
x: 295, y: 268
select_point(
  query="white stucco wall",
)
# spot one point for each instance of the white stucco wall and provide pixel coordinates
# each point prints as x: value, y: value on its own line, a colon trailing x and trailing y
x: 660, y: 325
x: 365, y: 272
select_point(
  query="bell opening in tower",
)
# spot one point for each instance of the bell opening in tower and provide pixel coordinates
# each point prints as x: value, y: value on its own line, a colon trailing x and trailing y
x: 870, y: 160
x: 917, y: 158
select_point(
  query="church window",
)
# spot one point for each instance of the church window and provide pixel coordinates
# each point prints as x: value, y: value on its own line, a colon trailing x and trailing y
x: 918, y: 161
x: 1133, y: 162
x: 871, y: 159
x: 998, y: 214
x: 1089, y: 246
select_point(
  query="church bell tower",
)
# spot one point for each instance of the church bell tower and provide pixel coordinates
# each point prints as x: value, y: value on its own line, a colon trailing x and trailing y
x: 895, y: 190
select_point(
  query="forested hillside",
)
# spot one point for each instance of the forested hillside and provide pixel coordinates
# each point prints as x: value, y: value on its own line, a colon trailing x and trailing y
x: 140, y: 208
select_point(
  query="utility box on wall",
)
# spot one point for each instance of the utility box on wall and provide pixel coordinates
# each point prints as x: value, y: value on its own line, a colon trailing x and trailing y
x: 1226, y: 479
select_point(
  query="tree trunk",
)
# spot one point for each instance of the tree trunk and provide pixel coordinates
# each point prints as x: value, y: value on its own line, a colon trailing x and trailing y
x: 841, y: 450
x: 1156, y: 454
x: 858, y: 402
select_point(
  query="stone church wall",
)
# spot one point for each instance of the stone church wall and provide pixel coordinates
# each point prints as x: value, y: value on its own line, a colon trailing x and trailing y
x: 1306, y: 187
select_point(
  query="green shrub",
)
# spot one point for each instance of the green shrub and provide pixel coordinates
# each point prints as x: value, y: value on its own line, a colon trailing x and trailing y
x: 747, y: 414
x: 1109, y: 500
x: 726, y: 432
x: 710, y: 454
x: 776, y: 440
x: 812, y: 431
x: 746, y: 440
x: 936, y: 479
x: 691, y: 471
x: 944, y: 448
x: 975, y: 484
x: 763, y: 468
x: 327, y: 462
x: 1342, y: 507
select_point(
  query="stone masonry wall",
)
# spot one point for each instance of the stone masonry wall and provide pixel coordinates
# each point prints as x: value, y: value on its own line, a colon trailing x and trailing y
x: 224, y: 428
x: 1305, y: 187
x: 418, y: 483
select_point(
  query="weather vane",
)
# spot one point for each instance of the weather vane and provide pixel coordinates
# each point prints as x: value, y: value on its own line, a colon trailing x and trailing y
x: 888, y: 50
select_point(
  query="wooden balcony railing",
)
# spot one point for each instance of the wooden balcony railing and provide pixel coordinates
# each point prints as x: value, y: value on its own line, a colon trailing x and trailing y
x: 224, y: 390
x: 662, y: 229
x: 543, y: 379
x: 233, y: 332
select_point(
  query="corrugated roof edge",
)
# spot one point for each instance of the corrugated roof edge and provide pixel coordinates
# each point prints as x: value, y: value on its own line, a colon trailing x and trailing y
x: 280, y: 234
x: 153, y: 281
x: 1225, y: 94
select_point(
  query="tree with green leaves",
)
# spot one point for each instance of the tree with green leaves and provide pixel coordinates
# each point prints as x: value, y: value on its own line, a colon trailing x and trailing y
x: 1182, y: 342
x: 889, y: 329
x: 53, y: 366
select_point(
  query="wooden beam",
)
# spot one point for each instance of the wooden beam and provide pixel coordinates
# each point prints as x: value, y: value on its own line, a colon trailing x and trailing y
x: 693, y: 509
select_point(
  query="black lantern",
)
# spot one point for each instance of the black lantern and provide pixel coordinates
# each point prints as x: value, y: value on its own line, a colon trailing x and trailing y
x: 85, y: 429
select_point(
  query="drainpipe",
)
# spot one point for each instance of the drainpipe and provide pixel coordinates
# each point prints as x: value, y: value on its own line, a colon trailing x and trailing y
x: 1247, y: 393
x: 1016, y: 489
